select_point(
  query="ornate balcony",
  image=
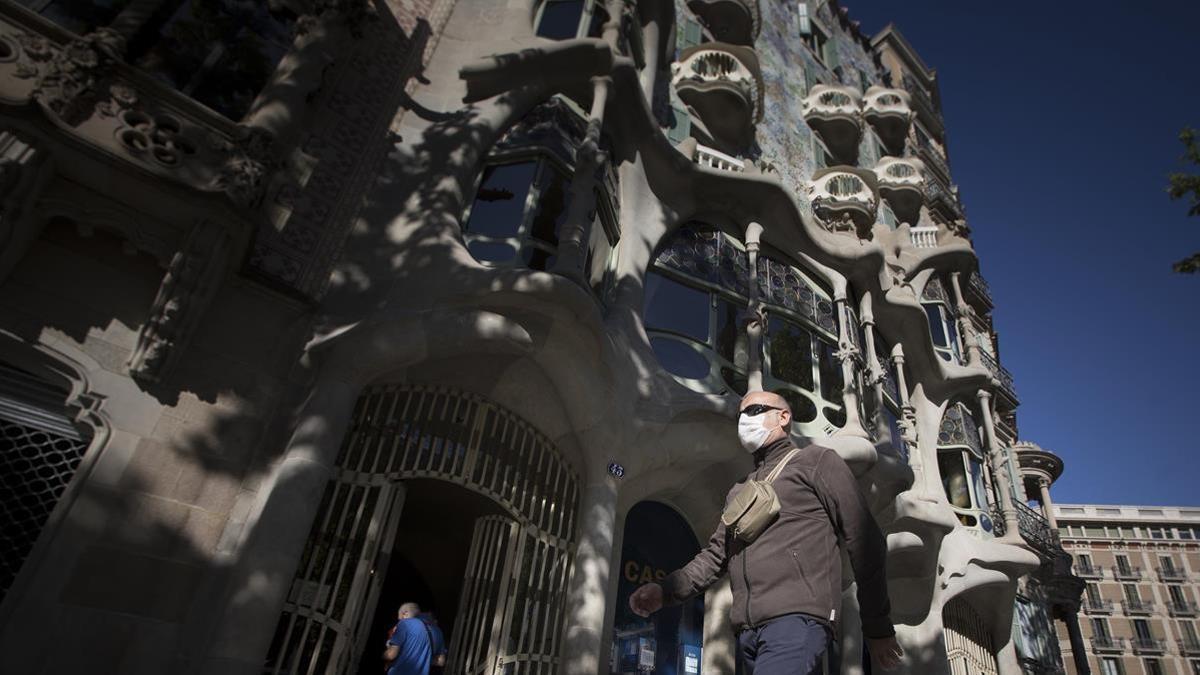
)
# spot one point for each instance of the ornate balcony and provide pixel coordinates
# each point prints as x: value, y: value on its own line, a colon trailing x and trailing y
x: 1000, y: 373
x: 977, y: 291
x: 723, y: 84
x: 1182, y: 608
x: 901, y: 183
x: 715, y: 159
x: 1137, y: 607
x: 924, y: 236
x: 1098, y: 606
x: 1088, y: 571
x: 734, y: 21
x: 1127, y: 573
x: 939, y: 197
x: 835, y: 113
x: 1107, y: 644
x: 888, y: 112
x: 845, y: 199
x: 1168, y: 574
x: 1142, y: 645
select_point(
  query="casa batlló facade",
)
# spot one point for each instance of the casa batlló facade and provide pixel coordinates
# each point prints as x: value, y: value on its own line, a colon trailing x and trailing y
x: 311, y: 307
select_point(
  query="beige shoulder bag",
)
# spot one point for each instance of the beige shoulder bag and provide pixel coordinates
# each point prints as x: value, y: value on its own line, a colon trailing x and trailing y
x: 755, y: 506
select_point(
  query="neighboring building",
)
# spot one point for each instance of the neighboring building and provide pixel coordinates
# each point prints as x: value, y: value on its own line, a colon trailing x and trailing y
x: 310, y: 307
x: 1141, y: 565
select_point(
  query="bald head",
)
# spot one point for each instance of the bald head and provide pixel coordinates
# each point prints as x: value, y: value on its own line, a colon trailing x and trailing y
x: 409, y: 610
x: 776, y: 418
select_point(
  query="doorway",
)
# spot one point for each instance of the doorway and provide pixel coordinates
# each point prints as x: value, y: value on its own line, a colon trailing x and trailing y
x: 437, y: 496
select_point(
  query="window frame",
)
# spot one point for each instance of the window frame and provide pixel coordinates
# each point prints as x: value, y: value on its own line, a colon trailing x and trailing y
x: 586, y: 15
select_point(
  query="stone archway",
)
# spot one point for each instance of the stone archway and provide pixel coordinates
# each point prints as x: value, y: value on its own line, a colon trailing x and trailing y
x: 512, y: 598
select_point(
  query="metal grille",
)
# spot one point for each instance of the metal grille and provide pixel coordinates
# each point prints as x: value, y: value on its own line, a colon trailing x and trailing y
x: 39, y: 453
x: 403, y: 432
x: 968, y: 641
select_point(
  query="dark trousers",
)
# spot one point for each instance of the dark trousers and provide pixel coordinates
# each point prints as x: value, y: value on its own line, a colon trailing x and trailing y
x: 788, y: 645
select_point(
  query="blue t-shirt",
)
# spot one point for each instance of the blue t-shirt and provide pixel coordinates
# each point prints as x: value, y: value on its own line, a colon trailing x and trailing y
x: 415, y: 651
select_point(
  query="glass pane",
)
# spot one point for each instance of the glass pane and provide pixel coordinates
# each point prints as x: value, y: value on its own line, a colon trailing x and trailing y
x: 977, y: 483
x: 936, y: 327
x: 954, y: 478
x: 830, y: 372
x: 672, y: 306
x: 492, y: 251
x: 791, y: 353
x: 560, y: 19
x: 551, y: 210
x: 500, y: 201
x: 679, y: 358
x: 732, y: 341
x: 803, y: 410
x: 80, y: 16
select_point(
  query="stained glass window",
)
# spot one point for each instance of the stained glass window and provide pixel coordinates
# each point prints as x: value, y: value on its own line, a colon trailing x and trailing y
x: 943, y: 326
x: 960, y: 452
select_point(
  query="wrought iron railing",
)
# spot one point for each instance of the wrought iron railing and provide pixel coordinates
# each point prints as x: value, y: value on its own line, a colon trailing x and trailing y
x: 1127, y: 573
x: 1107, y: 643
x: 1138, y: 606
x: 979, y: 286
x: 1182, y: 608
x: 999, y: 372
x: 921, y: 99
x: 1088, y: 571
x: 935, y: 191
x: 1097, y: 606
x: 1037, y: 531
x: 1145, y: 645
x: 1171, y: 574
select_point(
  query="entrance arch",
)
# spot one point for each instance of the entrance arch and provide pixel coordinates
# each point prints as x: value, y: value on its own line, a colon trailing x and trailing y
x: 511, y: 602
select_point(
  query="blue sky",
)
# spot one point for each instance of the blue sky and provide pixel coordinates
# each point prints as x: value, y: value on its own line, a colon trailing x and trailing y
x: 1062, y: 122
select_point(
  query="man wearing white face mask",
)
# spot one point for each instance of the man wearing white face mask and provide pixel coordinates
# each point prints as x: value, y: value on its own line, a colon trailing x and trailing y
x: 786, y: 579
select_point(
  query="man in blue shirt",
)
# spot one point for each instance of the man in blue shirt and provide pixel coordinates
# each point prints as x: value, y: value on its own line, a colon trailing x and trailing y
x: 413, y: 647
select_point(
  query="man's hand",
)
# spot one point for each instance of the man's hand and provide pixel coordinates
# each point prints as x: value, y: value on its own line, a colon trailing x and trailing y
x: 885, y: 651
x: 646, y: 600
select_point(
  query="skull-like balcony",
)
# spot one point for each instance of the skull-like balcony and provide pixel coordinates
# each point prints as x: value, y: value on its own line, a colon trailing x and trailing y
x: 835, y: 112
x: 723, y: 84
x: 902, y: 184
x: 889, y: 113
x: 734, y: 21
x: 845, y: 199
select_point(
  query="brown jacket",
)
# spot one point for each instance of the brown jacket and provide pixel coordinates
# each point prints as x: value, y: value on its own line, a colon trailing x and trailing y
x: 794, y: 565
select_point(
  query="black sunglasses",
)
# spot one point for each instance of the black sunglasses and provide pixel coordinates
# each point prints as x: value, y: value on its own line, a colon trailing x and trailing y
x: 757, y: 409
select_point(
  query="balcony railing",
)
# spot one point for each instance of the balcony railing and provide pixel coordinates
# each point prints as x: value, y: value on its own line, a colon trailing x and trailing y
x: 734, y: 21
x: 715, y: 159
x: 923, y: 104
x: 1170, y: 574
x: 1189, y: 646
x: 1182, y: 608
x: 999, y: 372
x: 1142, y: 645
x: 1138, y: 606
x: 1098, y: 606
x: 977, y: 285
x: 1107, y: 643
x: 924, y: 236
x: 1127, y: 573
x: 1088, y: 571
x: 1037, y: 531
x: 938, y: 194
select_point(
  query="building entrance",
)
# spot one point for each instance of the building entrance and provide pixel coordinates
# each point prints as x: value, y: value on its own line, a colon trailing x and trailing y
x: 446, y: 499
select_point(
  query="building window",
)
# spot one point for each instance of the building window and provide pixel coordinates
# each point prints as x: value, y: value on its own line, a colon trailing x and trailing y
x: 219, y: 52
x: 1100, y: 628
x: 943, y: 322
x: 688, y: 34
x: 1141, y: 629
x: 1152, y: 666
x: 815, y: 37
x: 1123, y: 565
x: 1111, y: 666
x: 518, y: 213
x: 695, y: 309
x: 1195, y: 666
x: 960, y: 464
x: 1083, y: 563
x: 1093, y: 593
x: 1131, y: 595
x: 566, y: 19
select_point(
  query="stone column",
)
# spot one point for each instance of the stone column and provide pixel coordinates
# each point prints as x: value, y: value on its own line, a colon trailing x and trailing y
x: 720, y: 647
x: 1012, y: 528
x: 757, y: 324
x: 876, y: 368
x: 1047, y: 505
x: 849, y: 354
x: 587, y: 594
x: 1078, y: 650
x: 966, y: 329
x: 576, y: 232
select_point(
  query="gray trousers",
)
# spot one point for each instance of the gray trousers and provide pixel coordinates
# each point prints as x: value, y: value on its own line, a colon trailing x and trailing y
x: 788, y: 645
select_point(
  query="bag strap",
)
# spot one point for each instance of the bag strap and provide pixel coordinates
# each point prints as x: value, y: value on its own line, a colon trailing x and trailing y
x: 779, y: 467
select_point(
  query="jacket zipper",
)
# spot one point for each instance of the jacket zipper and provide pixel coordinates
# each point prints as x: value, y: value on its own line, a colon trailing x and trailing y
x: 745, y: 558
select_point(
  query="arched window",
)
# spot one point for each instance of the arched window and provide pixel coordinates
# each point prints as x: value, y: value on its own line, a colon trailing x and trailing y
x: 566, y: 19
x: 519, y: 210
x: 219, y: 52
x: 960, y: 464
x: 696, y: 299
x: 943, y: 321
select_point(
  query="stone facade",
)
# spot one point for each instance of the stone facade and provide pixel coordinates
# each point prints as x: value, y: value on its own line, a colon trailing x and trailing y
x: 510, y: 264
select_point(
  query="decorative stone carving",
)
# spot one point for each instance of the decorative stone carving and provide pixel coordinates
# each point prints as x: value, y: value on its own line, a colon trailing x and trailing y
x: 187, y: 288
x: 834, y: 112
x: 249, y: 160
x: 72, y: 79
x: 901, y: 183
x: 723, y: 84
x: 845, y: 199
x: 888, y: 112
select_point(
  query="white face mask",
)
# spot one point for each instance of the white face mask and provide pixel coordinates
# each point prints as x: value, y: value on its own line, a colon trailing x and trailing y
x: 751, y: 432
